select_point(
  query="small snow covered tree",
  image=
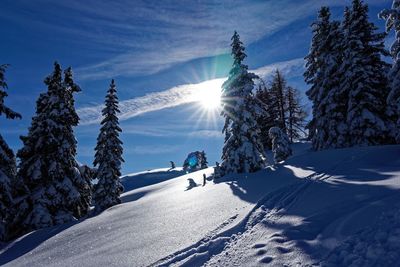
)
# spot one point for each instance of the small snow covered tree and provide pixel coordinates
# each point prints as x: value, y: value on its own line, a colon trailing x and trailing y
x: 295, y: 115
x: 204, y: 162
x: 365, y: 82
x: 392, y: 17
x: 195, y: 161
x: 280, y: 144
x: 7, y: 162
x: 108, y: 156
x: 243, y: 150
x: 56, y: 192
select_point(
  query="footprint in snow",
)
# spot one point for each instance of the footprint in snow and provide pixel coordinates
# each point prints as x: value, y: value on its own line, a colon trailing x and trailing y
x: 283, y: 250
x: 266, y: 259
x: 260, y: 245
x: 261, y: 252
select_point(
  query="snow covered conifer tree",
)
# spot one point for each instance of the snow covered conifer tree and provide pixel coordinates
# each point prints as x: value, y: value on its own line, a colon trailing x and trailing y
x: 243, y: 150
x: 365, y: 81
x: 204, y: 162
x: 314, y: 76
x: 7, y: 163
x: 56, y: 191
x: 108, y: 156
x: 323, y: 73
x: 392, y: 17
x: 280, y: 144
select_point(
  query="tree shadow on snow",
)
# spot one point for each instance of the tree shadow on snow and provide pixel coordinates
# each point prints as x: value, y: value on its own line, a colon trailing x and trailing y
x: 30, y: 241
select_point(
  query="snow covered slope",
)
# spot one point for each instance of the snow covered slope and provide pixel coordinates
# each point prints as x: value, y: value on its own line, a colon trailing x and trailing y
x: 308, y: 210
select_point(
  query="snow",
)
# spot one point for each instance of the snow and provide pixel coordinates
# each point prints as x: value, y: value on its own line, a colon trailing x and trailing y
x: 315, y: 208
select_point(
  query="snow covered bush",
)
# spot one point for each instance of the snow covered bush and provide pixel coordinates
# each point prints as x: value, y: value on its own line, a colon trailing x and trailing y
x: 280, y: 144
x: 195, y: 161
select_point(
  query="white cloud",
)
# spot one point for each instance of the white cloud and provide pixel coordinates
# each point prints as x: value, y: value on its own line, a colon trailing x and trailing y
x: 206, y: 134
x: 179, y: 95
x: 151, y: 149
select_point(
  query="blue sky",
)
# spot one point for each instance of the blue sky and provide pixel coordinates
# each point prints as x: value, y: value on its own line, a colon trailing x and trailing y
x: 159, y: 52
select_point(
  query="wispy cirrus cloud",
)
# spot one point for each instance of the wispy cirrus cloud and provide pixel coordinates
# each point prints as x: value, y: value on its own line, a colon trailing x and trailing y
x: 128, y: 38
x: 180, y: 95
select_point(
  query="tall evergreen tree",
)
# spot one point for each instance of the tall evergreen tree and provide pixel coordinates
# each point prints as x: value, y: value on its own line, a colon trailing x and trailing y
x: 392, y: 17
x: 295, y: 115
x: 56, y: 192
x: 7, y: 162
x: 333, y: 103
x: 314, y: 75
x: 242, y: 151
x: 108, y: 156
x: 365, y: 79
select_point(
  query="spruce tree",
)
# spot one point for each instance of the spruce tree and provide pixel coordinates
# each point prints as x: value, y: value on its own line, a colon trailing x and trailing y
x: 7, y: 163
x: 365, y: 81
x: 243, y: 150
x: 56, y: 192
x: 108, y: 155
x: 333, y: 103
x: 392, y: 17
x: 314, y: 75
x: 328, y: 128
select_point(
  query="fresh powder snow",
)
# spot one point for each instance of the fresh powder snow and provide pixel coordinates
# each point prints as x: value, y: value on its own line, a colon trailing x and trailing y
x: 314, y: 208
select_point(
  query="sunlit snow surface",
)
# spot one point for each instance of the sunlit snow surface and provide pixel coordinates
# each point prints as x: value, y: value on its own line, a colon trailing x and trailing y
x: 305, y: 211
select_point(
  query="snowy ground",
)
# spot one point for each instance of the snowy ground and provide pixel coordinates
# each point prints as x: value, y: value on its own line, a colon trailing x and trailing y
x: 333, y: 207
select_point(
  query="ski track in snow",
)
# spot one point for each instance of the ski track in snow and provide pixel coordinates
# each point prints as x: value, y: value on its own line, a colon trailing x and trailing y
x: 207, y: 251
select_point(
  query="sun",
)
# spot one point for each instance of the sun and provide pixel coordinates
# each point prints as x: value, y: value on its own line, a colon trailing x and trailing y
x: 209, y: 94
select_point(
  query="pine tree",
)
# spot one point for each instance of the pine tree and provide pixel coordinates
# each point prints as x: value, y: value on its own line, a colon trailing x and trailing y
x: 295, y: 115
x: 7, y: 163
x: 56, y: 192
x: 108, y: 156
x: 392, y: 17
x: 242, y: 151
x: 278, y: 91
x: 283, y: 100
x: 365, y: 80
x: 280, y: 144
x: 266, y: 118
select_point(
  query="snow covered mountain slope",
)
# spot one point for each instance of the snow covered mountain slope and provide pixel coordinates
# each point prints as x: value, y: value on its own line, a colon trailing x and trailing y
x: 294, y: 214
